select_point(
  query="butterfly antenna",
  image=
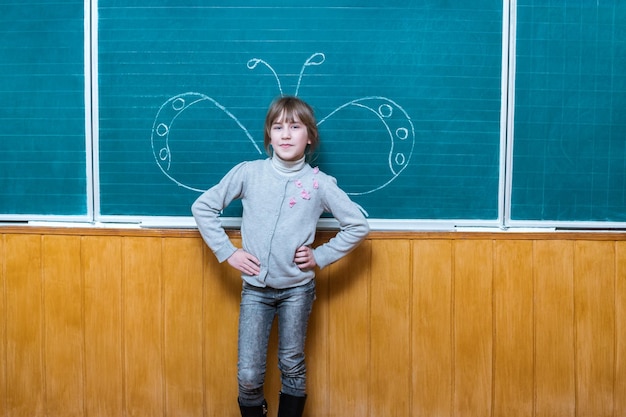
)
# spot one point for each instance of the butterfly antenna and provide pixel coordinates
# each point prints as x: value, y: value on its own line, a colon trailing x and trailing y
x: 316, y: 59
x: 252, y: 64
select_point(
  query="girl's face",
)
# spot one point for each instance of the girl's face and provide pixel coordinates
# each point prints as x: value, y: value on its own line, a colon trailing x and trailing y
x: 289, y: 138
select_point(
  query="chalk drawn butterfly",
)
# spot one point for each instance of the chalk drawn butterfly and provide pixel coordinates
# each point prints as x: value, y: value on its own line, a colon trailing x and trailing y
x: 387, y: 118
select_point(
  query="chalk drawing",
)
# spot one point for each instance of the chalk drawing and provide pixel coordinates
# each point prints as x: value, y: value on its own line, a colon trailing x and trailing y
x: 394, y: 120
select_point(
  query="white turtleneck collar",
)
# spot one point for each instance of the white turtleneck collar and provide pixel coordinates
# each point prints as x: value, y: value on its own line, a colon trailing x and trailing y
x: 287, y: 167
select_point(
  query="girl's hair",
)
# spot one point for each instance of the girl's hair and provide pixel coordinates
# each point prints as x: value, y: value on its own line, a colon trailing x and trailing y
x: 289, y: 108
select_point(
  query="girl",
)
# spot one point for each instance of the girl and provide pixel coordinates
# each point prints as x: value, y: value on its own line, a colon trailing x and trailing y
x: 283, y: 197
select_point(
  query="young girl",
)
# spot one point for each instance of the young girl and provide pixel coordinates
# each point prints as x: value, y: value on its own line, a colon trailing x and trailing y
x: 283, y: 197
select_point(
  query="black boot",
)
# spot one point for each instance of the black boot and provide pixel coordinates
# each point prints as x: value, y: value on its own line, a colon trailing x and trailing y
x: 254, y: 411
x: 290, y: 406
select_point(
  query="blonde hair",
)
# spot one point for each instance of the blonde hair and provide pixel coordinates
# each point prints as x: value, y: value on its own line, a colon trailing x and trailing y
x: 291, y: 108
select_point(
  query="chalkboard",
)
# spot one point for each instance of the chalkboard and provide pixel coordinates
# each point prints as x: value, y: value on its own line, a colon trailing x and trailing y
x: 569, y: 159
x: 43, y: 147
x: 409, y: 98
x: 407, y: 94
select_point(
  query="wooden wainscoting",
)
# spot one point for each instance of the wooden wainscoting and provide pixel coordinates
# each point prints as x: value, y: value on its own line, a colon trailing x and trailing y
x: 103, y: 323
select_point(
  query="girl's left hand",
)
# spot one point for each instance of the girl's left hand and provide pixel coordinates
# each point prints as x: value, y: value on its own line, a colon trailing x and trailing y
x: 304, y: 258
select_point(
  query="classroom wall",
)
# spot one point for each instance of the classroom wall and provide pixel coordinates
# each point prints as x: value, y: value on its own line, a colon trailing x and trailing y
x: 103, y: 322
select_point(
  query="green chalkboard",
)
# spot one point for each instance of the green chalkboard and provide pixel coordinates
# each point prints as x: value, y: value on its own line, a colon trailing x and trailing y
x: 407, y: 94
x: 569, y: 159
x: 42, y: 112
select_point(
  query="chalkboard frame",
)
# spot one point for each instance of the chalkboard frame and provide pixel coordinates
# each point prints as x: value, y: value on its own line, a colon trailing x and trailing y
x: 494, y: 130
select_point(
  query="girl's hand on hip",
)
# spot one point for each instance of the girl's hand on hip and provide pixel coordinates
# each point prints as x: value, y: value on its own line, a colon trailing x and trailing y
x: 304, y: 258
x: 245, y: 262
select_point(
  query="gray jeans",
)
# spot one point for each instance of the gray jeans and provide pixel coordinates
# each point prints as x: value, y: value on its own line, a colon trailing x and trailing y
x: 258, y: 308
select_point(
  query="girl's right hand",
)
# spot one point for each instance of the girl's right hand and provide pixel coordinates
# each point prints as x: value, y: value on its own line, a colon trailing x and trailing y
x: 245, y: 262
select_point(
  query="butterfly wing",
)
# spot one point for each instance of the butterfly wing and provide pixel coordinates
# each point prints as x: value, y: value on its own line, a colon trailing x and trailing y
x: 188, y: 130
x: 382, y: 147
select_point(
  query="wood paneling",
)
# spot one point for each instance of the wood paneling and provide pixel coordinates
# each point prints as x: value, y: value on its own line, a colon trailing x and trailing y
x: 221, y: 292
x: 349, y: 335
x: 63, y: 325
x: 594, y: 310
x: 183, y: 301
x: 473, y: 327
x: 555, y: 358
x: 25, y: 370
x: 390, y: 327
x: 101, y: 259
x: 432, y: 329
x: 3, y: 330
x: 143, y: 326
x: 144, y: 323
x: 619, y: 396
x: 513, y: 329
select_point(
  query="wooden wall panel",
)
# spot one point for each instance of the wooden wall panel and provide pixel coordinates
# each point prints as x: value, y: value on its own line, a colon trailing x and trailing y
x: 3, y: 328
x: 555, y: 357
x: 221, y: 294
x: 144, y: 323
x: 143, y: 326
x: 183, y: 299
x: 101, y: 259
x: 63, y: 326
x: 390, y: 327
x: 473, y: 327
x: 432, y: 327
x: 349, y: 334
x: 594, y: 298
x: 513, y: 322
x: 24, y: 326
x: 620, y: 330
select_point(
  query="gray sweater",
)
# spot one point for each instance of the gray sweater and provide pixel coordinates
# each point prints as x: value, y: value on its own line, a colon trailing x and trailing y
x: 280, y: 214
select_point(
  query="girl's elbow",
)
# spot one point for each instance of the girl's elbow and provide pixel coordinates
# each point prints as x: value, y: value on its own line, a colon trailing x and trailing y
x: 360, y: 231
x: 195, y: 208
x: 364, y: 229
x: 200, y: 209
